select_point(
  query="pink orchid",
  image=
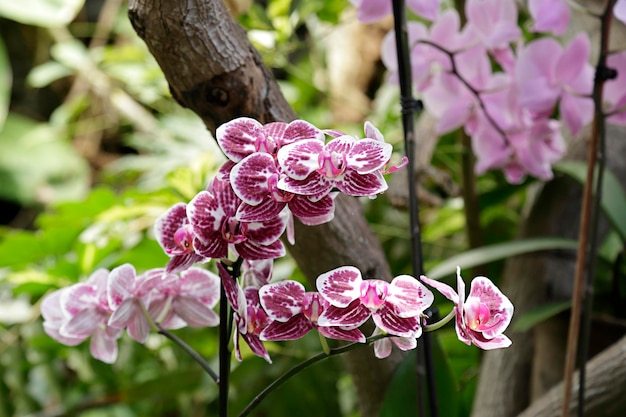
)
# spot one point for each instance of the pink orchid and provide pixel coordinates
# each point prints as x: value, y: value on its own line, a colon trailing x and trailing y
x: 619, y: 10
x: 176, y: 236
x: 188, y: 299
x: 426, y: 58
x: 549, y: 16
x: 244, y: 136
x: 249, y: 317
x: 354, y: 166
x: 395, y: 307
x: 127, y: 295
x: 295, y: 312
x: 494, y: 21
x: 481, y: 319
x: 382, y: 347
x: 213, y: 216
x: 255, y: 180
x: 369, y: 11
x: 74, y: 313
x: 525, y: 144
x: 546, y: 74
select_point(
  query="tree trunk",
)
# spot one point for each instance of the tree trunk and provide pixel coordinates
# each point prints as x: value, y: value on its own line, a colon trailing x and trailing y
x: 213, y: 70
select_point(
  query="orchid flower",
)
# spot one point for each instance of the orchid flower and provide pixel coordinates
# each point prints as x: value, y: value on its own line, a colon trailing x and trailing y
x: 128, y: 295
x: 175, y: 234
x: 190, y: 298
x: 244, y: 136
x: 351, y: 165
x: 396, y: 307
x: 249, y: 317
x: 619, y: 10
x: 74, y: 313
x: 546, y: 74
x: 256, y: 273
x: 255, y: 180
x: 295, y: 312
x: 212, y: 214
x: 481, y: 319
x: 549, y: 16
x: 495, y: 21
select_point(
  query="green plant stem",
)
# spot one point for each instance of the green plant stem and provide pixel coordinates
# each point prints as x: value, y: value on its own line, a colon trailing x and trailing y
x: 438, y: 325
x: 156, y: 327
x: 584, y: 242
x: 191, y: 352
x: 301, y: 366
x: 224, y: 353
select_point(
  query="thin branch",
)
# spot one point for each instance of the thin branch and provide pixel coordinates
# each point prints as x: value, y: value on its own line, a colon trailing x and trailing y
x: 191, y: 352
x: 583, y: 239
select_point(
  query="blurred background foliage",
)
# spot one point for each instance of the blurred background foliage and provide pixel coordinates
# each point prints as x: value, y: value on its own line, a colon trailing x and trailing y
x: 93, y: 148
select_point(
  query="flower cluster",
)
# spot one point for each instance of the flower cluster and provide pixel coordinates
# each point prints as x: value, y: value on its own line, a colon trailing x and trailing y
x: 507, y: 112
x: 109, y: 302
x: 274, y: 172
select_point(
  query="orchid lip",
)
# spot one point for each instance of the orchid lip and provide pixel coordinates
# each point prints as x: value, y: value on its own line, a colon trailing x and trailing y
x: 266, y: 144
x: 184, y: 239
x: 276, y: 193
x: 234, y: 231
x: 373, y: 293
x: 331, y: 164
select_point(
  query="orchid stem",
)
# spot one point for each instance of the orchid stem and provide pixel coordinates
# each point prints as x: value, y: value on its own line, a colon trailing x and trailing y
x: 156, y: 327
x: 191, y: 352
x: 301, y: 366
x: 438, y: 325
x: 409, y: 107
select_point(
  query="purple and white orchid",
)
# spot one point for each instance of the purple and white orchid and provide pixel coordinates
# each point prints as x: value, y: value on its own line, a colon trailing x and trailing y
x: 296, y: 311
x: 213, y: 215
x: 481, y: 319
x: 353, y: 166
x: 175, y: 234
x: 396, y: 307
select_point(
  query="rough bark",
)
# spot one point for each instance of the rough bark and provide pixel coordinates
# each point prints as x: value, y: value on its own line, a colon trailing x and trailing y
x: 213, y: 70
x: 604, y: 396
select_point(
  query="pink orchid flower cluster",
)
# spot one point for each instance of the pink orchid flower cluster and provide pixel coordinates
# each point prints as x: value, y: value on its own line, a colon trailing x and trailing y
x: 274, y: 172
x: 504, y: 92
x: 111, y: 301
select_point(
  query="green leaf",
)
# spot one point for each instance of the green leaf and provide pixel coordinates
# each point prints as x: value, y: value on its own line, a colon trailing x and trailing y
x: 486, y: 254
x: 38, y: 164
x: 400, y: 398
x: 613, y: 195
x: 540, y: 314
x: 44, y: 13
x: 46, y: 73
x: 5, y: 83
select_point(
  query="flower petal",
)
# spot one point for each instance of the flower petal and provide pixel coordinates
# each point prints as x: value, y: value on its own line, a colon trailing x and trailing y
x: 200, y: 284
x: 298, y: 160
x: 313, y: 213
x: 362, y: 185
x: 195, y: 312
x: 446, y: 290
x: 354, y: 314
x: 282, y: 300
x: 103, y: 347
x: 253, y: 251
x: 256, y: 346
x: 249, y: 178
x: 237, y: 137
x: 340, y: 286
x: 408, y: 297
x: 121, y: 285
x: 391, y: 323
x: 292, y: 329
x: 341, y: 333
x: 368, y: 155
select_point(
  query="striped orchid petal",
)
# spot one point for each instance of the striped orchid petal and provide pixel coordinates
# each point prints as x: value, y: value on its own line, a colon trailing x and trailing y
x: 408, y: 296
x: 282, y: 300
x: 341, y: 286
x: 353, y: 315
